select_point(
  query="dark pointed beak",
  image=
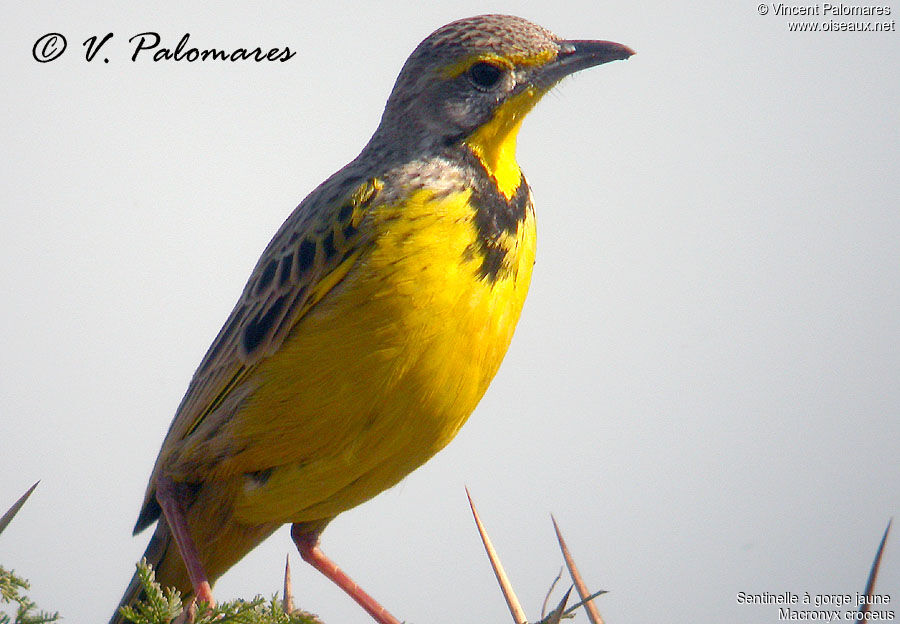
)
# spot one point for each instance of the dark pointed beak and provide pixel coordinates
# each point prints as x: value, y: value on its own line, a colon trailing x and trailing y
x: 576, y: 55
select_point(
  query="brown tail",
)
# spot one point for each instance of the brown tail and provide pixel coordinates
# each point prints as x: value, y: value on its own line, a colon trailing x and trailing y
x: 162, y: 555
x: 220, y: 541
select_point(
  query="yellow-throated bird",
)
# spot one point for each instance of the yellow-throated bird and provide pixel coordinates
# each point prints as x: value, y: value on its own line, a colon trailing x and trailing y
x: 375, y: 319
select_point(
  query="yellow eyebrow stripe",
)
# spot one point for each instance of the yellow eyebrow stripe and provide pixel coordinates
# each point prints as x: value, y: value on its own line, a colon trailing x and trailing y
x: 507, y: 62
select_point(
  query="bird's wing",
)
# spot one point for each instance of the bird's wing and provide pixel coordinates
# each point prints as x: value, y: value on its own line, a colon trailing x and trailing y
x: 312, y: 251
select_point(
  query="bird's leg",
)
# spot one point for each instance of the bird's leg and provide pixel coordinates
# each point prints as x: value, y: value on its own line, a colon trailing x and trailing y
x: 308, y: 544
x: 172, y: 503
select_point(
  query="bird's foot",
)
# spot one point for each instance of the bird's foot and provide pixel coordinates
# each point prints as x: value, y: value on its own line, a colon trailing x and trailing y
x: 308, y: 544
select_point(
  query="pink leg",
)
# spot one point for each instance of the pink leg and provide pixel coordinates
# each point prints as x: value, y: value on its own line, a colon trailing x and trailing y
x: 168, y: 497
x: 308, y: 545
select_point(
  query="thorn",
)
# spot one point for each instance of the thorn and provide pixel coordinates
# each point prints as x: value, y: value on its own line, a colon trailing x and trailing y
x: 288, y: 603
x: 873, y: 573
x: 580, y: 603
x: 12, y: 511
x: 557, y: 614
x: 591, y: 609
x: 515, y: 608
x: 547, y: 597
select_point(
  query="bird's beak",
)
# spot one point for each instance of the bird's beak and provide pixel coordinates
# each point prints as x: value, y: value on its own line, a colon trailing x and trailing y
x: 575, y: 55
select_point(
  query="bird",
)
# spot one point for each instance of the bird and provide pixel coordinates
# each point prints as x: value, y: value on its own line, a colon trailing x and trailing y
x: 373, y: 322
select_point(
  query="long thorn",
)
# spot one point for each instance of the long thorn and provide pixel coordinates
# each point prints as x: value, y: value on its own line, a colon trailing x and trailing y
x: 873, y: 572
x: 547, y: 597
x: 581, y: 603
x: 288, y: 603
x: 8, y: 516
x: 557, y: 614
x: 591, y: 609
x: 515, y: 608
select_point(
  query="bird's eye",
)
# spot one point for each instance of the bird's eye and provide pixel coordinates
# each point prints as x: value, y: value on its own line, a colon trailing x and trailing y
x: 485, y: 75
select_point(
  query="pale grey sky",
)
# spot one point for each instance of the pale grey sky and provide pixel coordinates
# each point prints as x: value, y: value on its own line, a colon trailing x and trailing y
x: 703, y: 387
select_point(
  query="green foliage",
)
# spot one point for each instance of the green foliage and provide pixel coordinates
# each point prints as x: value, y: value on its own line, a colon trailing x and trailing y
x: 256, y: 611
x: 162, y: 606
x: 11, y: 588
x: 159, y: 606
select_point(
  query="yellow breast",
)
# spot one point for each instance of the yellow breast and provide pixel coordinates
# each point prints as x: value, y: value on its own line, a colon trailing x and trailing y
x: 389, y: 365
